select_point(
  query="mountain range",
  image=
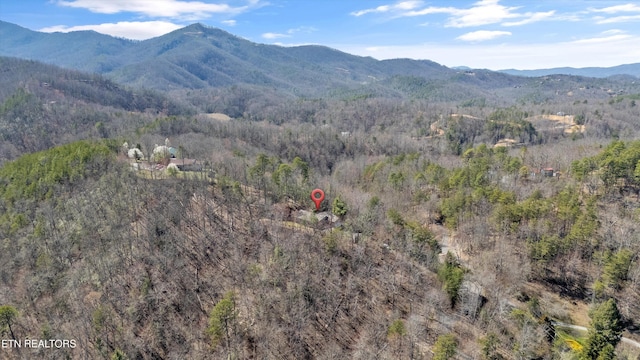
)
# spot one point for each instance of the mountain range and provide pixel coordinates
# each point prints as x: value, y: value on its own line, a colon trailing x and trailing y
x: 197, y: 57
x: 597, y: 72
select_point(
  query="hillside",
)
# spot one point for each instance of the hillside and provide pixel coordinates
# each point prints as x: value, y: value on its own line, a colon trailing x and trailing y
x: 133, y: 260
x: 155, y: 264
x: 42, y: 106
x: 468, y: 214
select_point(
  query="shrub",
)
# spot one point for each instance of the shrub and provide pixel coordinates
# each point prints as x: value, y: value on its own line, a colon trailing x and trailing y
x: 445, y: 347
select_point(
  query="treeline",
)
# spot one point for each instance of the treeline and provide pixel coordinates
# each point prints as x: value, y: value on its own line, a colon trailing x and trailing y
x: 91, y: 88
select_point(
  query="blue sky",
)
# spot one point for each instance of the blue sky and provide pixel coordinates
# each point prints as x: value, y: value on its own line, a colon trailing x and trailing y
x: 492, y: 34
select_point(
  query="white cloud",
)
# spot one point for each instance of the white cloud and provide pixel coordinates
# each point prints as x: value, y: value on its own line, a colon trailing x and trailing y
x: 483, y: 12
x: 289, y: 33
x: 626, y: 8
x: 272, y: 36
x: 408, y: 5
x: 229, y: 22
x: 431, y: 10
x: 603, y: 39
x: 531, y: 18
x: 613, y: 32
x: 482, y: 35
x: 136, y: 30
x: 399, y: 6
x: 379, y: 9
x: 618, y: 8
x: 191, y: 10
x: 617, y: 19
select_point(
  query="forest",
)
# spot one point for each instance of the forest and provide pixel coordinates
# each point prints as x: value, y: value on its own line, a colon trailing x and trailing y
x: 460, y: 221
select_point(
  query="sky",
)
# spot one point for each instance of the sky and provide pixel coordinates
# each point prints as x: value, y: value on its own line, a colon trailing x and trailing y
x: 490, y: 34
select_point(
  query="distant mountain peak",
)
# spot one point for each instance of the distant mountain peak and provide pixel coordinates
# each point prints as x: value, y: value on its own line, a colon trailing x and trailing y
x: 196, y: 26
x: 202, y: 29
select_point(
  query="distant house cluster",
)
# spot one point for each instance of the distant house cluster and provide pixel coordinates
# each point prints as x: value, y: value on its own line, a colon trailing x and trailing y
x: 162, y: 157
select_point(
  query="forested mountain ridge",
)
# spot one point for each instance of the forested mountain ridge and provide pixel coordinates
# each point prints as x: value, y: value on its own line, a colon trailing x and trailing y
x: 71, y: 50
x: 198, y: 56
x: 44, y: 105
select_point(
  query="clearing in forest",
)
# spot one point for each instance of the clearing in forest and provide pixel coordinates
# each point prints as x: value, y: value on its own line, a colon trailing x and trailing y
x: 566, y: 122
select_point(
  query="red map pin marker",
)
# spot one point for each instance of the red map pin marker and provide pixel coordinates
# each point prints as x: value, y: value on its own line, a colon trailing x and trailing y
x: 317, y: 196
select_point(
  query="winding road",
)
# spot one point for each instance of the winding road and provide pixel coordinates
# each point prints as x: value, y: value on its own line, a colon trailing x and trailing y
x: 582, y: 328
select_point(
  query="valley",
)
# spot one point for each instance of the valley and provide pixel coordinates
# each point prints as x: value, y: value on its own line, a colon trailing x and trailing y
x: 155, y: 204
